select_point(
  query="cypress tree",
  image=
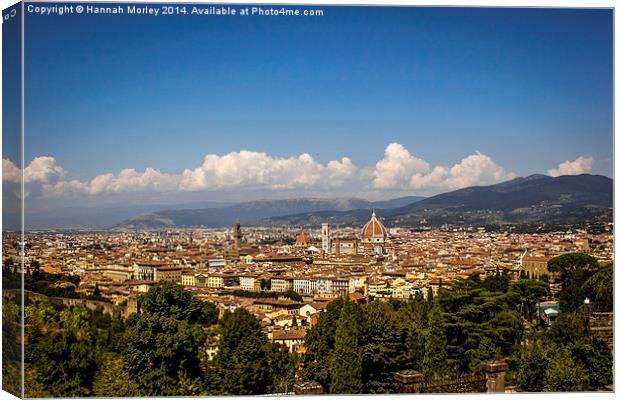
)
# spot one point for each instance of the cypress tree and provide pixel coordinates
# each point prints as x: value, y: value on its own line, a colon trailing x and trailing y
x: 346, y: 363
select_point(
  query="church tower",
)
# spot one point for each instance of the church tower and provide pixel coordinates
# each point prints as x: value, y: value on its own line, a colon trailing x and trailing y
x: 237, y: 235
x: 325, y: 238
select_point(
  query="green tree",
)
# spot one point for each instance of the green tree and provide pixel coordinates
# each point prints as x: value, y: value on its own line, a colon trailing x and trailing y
x: 345, y: 362
x: 246, y: 363
x: 530, y: 292
x: 435, y: 361
x: 470, y: 313
x: 381, y: 339
x: 532, y: 364
x: 64, y: 364
x: 171, y: 300
x: 11, y: 347
x: 597, y: 359
x: 319, y: 343
x: 158, y: 350
x: 265, y: 284
x: 113, y: 380
x: 599, y: 288
x: 564, y: 374
x: 574, y: 269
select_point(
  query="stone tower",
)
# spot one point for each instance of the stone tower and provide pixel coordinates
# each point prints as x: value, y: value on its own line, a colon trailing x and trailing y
x: 325, y: 238
x: 237, y: 235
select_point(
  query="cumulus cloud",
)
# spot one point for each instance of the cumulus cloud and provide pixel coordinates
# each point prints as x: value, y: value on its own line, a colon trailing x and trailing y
x: 580, y: 165
x: 243, y: 169
x: 399, y: 169
x: 41, y: 169
x: 253, y: 169
x: 475, y: 169
x: 10, y: 173
x: 396, y: 167
x: 127, y: 181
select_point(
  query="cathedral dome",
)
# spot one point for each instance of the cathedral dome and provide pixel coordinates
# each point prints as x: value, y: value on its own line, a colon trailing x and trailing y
x: 302, y: 239
x: 374, y: 229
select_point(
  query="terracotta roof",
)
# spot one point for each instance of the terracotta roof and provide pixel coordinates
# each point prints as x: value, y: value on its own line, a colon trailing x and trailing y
x: 374, y: 228
x: 302, y: 239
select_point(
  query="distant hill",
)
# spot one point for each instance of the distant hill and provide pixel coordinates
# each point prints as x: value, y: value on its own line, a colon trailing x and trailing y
x: 399, y: 202
x: 99, y: 216
x: 536, y: 199
x: 249, y: 212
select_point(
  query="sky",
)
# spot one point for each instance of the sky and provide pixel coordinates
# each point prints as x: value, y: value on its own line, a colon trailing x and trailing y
x: 375, y: 102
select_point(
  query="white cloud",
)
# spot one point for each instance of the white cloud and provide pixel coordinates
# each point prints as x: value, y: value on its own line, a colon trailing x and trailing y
x: 396, y: 167
x: 41, y: 169
x: 253, y: 169
x: 126, y: 181
x: 243, y: 169
x: 581, y: 165
x: 400, y: 169
x: 339, y: 171
x: 10, y: 173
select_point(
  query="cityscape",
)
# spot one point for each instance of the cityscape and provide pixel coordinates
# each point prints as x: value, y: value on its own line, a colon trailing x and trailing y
x: 286, y: 279
x: 309, y: 200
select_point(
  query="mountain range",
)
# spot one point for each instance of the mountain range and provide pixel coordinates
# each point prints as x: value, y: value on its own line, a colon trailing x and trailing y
x: 536, y: 199
x: 252, y: 211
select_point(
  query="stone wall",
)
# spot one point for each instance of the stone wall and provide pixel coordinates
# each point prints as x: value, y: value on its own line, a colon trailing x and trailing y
x: 112, y: 310
x: 601, y: 327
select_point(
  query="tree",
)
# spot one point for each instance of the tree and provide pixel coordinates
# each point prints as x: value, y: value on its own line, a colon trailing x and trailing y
x: 563, y: 358
x: 599, y: 288
x: 569, y: 327
x: 282, y: 366
x: 413, y: 317
x: 97, y: 292
x: 36, y: 266
x: 574, y: 270
x: 531, y: 365
x: 381, y: 346
x: 158, y: 350
x: 468, y: 312
x: 11, y: 347
x: 113, y: 380
x: 435, y: 361
x: 319, y: 342
x: 345, y: 362
x: 498, y: 282
x: 265, y: 284
x: 597, y: 360
x: 64, y: 364
x: 564, y: 375
x: 246, y: 362
x: 530, y: 292
x: 171, y: 300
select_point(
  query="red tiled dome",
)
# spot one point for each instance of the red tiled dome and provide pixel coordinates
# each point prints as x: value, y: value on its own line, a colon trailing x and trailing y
x: 374, y: 228
x: 302, y: 239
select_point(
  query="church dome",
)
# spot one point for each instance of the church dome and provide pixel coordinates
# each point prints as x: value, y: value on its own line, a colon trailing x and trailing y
x: 374, y: 229
x: 302, y: 239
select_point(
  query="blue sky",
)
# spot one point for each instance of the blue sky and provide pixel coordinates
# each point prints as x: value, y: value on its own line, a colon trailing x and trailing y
x: 527, y: 88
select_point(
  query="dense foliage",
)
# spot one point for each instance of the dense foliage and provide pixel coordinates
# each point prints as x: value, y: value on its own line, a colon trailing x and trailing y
x: 357, y: 348
x: 581, y: 277
x: 162, y: 351
x: 48, y: 284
